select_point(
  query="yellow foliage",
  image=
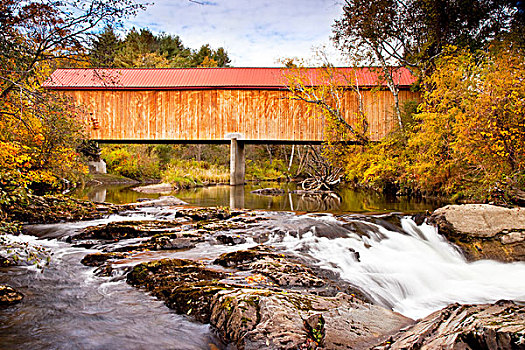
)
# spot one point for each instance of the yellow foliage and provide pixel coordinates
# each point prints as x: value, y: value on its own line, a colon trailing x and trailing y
x: 472, y: 122
x: 38, y: 134
x: 468, y: 136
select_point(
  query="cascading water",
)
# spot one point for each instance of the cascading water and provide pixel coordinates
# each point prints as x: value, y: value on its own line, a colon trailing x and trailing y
x: 67, y: 307
x: 414, y: 271
x: 409, y: 268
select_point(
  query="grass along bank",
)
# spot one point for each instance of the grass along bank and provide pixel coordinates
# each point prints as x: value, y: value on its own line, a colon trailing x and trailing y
x: 191, y: 173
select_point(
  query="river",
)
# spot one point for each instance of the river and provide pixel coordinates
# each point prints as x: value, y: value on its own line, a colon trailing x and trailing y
x: 408, y: 268
x: 343, y: 200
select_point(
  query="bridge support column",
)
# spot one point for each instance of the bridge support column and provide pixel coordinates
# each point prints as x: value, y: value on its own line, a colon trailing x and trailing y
x: 237, y: 162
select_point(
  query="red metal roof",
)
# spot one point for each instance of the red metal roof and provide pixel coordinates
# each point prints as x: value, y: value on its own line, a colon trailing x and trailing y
x: 207, y: 78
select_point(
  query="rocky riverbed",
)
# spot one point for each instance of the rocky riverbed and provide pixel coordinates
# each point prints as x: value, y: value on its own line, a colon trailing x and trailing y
x: 260, y: 295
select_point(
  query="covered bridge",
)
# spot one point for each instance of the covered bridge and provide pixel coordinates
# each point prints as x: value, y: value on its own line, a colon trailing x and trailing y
x: 217, y: 105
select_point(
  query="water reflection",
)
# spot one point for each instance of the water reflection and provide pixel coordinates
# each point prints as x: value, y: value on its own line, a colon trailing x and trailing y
x: 118, y: 194
x: 237, y: 197
x: 344, y: 200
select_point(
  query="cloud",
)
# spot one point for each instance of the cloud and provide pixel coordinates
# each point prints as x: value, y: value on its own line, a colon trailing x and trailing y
x: 255, y: 33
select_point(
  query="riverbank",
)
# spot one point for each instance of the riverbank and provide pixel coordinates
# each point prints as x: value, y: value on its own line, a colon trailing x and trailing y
x: 484, y: 231
x: 257, y: 292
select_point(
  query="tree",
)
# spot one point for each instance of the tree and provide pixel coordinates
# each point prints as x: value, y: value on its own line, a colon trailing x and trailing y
x: 472, y: 125
x: 40, y: 129
x: 171, y: 46
x: 413, y: 33
x: 392, y: 33
x: 104, y: 48
x: 135, y: 47
x: 143, y: 49
x: 323, y: 89
x: 51, y: 31
x: 205, y: 56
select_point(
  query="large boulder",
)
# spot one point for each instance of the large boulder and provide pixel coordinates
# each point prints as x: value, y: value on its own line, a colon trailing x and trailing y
x: 251, y: 311
x: 484, y: 231
x: 498, y: 326
x: 265, y: 319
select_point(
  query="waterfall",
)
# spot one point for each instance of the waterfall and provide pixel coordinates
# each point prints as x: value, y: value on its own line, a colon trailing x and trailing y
x: 413, y: 271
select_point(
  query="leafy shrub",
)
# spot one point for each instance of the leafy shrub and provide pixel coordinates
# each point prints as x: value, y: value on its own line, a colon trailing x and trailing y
x: 137, y: 162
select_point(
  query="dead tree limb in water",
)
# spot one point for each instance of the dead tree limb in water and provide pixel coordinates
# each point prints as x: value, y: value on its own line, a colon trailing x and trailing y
x: 322, y: 176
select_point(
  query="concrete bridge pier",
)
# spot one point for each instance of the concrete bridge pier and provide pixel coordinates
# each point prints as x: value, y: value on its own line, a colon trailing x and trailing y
x: 237, y: 162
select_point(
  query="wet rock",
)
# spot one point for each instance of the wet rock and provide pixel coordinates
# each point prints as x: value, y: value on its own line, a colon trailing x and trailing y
x: 99, y: 259
x: 7, y: 261
x: 391, y: 222
x: 484, y: 231
x: 126, y: 229
x: 155, y: 188
x: 199, y: 214
x: 104, y: 271
x: 319, y: 228
x: 167, y: 243
x: 364, y: 229
x: 269, y: 192
x: 230, y: 239
x: 240, y: 258
x: 185, y: 285
x: 263, y: 319
x: 268, y: 268
x: 286, y: 273
x: 315, y: 329
x: 9, y: 296
x: 487, y: 326
x: 420, y: 218
x: 52, y: 209
x: 163, y: 201
x: 86, y: 245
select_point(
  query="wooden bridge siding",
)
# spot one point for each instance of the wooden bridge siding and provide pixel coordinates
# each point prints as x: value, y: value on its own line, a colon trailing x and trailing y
x: 210, y: 114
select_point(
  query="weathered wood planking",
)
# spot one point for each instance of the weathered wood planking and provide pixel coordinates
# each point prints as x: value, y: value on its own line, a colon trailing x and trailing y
x: 208, y: 115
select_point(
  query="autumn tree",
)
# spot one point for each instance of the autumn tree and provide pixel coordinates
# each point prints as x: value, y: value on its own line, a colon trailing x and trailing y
x: 325, y: 90
x: 471, y: 131
x: 412, y: 34
x: 39, y: 130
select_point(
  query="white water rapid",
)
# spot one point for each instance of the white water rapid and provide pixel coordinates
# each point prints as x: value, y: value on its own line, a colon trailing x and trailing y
x: 414, y: 272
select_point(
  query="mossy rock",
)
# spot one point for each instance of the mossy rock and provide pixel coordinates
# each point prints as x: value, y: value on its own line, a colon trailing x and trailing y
x: 126, y: 229
x: 185, y: 285
x: 51, y: 209
x: 241, y: 257
x: 99, y: 259
x: 200, y: 214
x: 192, y: 299
x: 170, y: 273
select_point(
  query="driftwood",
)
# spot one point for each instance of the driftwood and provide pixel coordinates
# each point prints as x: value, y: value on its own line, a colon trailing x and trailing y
x: 321, y: 174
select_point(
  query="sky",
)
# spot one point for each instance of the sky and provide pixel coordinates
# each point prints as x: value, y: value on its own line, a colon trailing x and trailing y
x: 255, y: 33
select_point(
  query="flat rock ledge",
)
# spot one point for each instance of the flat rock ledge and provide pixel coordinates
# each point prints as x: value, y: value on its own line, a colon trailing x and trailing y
x: 257, y: 313
x: 484, y: 231
x: 155, y: 188
x: 9, y: 296
x: 467, y: 327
